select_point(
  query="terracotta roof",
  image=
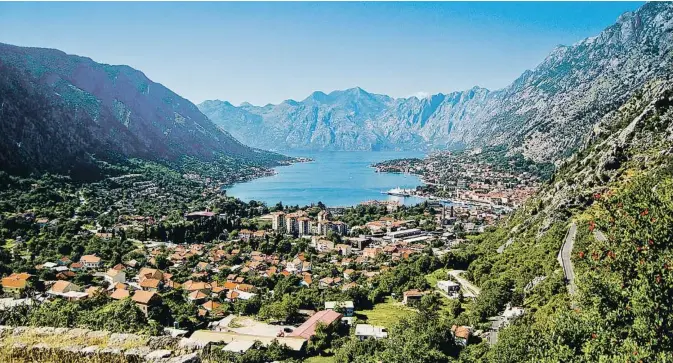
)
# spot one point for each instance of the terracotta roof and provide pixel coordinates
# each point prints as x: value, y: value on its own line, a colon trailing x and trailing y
x: 113, y: 272
x: 412, y: 293
x: 15, y: 283
x: 120, y: 285
x: 150, y: 273
x: 230, y: 285
x: 120, y: 294
x: 150, y: 283
x: 463, y: 332
x: 93, y: 290
x: 244, y: 287
x: 21, y: 275
x: 197, y: 294
x: 143, y: 297
x: 211, y: 305
x: 60, y: 286
x: 195, y: 285
x: 90, y: 259
x: 307, y: 330
x: 65, y: 275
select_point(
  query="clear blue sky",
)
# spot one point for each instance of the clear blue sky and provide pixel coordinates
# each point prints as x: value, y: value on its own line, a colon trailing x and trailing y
x: 268, y: 52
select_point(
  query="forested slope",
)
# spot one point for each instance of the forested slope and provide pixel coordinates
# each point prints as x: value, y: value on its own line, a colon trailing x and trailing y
x: 620, y: 185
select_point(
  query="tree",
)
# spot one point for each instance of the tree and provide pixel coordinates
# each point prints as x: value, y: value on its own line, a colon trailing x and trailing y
x: 285, y: 310
x: 322, y: 339
x: 118, y: 317
x: 430, y: 305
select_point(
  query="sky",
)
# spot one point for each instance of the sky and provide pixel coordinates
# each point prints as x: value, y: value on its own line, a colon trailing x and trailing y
x: 269, y: 52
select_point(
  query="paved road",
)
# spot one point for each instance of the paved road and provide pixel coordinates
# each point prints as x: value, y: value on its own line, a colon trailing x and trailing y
x: 564, y: 258
x: 495, y: 328
x: 464, y: 283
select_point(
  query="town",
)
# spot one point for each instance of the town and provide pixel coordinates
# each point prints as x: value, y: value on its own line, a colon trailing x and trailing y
x: 484, y: 177
x: 239, y: 275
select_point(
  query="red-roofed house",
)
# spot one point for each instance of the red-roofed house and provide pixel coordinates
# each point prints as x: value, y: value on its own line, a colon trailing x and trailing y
x: 307, y: 330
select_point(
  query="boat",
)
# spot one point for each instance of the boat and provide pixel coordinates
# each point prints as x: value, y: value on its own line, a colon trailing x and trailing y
x: 398, y: 192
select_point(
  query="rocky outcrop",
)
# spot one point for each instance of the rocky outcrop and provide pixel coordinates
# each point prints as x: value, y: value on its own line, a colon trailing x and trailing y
x: 83, y: 345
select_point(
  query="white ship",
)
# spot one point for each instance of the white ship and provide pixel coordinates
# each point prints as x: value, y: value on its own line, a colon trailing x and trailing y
x: 398, y: 192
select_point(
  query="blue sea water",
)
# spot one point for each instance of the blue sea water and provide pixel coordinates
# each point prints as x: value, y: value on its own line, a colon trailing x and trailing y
x: 336, y: 178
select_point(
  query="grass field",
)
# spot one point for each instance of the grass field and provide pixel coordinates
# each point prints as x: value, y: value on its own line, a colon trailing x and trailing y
x: 438, y: 275
x: 385, y: 314
x: 319, y: 359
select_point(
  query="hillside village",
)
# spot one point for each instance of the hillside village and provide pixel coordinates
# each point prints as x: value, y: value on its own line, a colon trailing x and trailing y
x: 485, y: 177
x: 547, y: 238
x: 251, y: 274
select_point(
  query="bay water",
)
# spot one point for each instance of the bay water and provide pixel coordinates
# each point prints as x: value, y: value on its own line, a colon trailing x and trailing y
x: 335, y: 178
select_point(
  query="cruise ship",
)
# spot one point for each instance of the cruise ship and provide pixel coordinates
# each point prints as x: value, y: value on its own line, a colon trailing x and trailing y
x: 398, y: 192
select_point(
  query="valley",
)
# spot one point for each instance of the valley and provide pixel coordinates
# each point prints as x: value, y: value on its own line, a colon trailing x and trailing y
x: 531, y: 223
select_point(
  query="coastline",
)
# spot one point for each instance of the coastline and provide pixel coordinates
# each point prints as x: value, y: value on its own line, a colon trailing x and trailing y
x: 265, y: 172
x: 333, y: 178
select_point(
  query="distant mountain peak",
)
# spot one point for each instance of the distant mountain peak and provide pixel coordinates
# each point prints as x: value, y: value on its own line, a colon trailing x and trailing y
x: 541, y: 114
x: 318, y: 96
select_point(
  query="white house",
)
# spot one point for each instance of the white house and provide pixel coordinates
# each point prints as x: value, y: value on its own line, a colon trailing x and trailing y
x: 448, y: 286
x: 364, y: 331
x: 347, y: 307
x: 113, y: 276
x: 512, y: 313
x: 90, y: 261
x: 294, y: 265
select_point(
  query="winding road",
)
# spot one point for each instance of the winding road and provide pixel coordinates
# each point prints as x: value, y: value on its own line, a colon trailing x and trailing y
x: 564, y: 258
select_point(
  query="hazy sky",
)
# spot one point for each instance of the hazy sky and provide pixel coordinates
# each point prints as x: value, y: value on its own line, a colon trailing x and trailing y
x: 268, y: 52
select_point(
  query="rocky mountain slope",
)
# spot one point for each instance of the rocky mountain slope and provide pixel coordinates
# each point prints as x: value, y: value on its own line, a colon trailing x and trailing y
x: 59, y: 110
x: 542, y: 114
x: 617, y: 190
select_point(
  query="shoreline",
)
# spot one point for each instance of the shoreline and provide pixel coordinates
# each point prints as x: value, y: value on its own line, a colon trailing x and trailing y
x: 313, y: 189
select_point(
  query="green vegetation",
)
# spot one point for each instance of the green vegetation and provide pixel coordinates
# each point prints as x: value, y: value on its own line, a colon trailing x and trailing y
x: 385, y: 314
x: 97, y: 313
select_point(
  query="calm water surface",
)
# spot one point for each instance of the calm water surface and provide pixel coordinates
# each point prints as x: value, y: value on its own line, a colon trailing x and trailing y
x: 339, y: 178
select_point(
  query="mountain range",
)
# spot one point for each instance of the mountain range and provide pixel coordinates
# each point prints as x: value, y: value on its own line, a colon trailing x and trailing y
x: 543, y: 114
x: 60, y: 111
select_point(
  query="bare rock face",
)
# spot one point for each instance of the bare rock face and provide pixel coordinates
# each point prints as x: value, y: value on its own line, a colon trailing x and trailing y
x: 123, y: 338
x: 163, y: 342
x: 138, y: 352
x: 90, y: 350
x: 190, y: 345
x: 187, y: 358
x: 131, y: 347
x: 158, y: 355
x: 642, y: 124
x: 543, y: 114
